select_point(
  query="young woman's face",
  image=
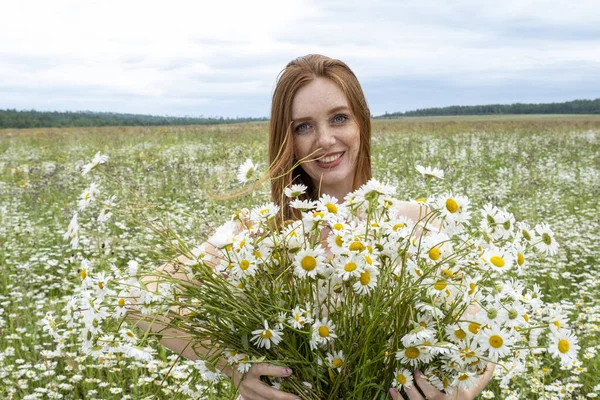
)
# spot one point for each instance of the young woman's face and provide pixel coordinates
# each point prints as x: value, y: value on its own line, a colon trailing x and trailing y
x: 324, y: 127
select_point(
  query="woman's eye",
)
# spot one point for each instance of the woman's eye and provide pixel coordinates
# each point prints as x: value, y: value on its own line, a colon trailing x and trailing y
x: 301, y: 127
x: 340, y: 118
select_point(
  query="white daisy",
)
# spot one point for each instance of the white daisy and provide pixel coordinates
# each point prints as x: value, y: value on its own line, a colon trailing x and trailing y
x: 295, y: 191
x: 547, y: 243
x: 402, y: 378
x: 309, y: 262
x: 429, y: 172
x: 98, y: 159
x: 349, y: 266
x: 264, y: 337
x: 247, y: 171
x: 336, y: 360
x: 564, y: 345
x: 323, y: 332
x: 496, y: 341
x: 367, y: 280
x: 498, y: 259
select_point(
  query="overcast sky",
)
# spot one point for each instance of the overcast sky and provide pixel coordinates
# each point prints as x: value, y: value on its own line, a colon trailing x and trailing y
x: 221, y: 57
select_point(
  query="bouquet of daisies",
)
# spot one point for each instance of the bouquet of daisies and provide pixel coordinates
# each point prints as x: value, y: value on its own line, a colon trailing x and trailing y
x: 353, y: 296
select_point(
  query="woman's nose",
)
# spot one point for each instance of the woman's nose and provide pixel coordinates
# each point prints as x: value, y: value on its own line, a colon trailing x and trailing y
x: 326, y: 137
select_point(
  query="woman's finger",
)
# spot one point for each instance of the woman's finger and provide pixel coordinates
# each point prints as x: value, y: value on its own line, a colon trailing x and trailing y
x: 395, y: 395
x: 413, y: 393
x: 483, y: 380
x: 430, y: 391
x: 264, y: 369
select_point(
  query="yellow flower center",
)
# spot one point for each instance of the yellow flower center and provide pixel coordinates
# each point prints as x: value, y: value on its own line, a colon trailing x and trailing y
x: 337, y: 363
x: 474, y: 328
x: 338, y: 226
x: 557, y: 324
x: 266, y: 334
x: 350, y: 267
x: 121, y: 302
x: 463, y: 377
x: 497, y: 261
x: 83, y: 273
x: 440, y: 285
x: 101, y: 285
x: 451, y: 205
x: 472, y: 287
x: 323, y: 331
x: 401, y: 379
x: 496, y: 341
x: 318, y: 214
x: 309, y: 263
x: 357, y: 246
x: 520, y: 258
x: 563, y: 346
x: 244, y: 265
x: 339, y: 241
x: 368, y: 260
x: 398, y: 227
x: 412, y: 352
x: 332, y: 208
x: 434, y: 253
x: 460, y: 334
x: 448, y: 273
x: 365, y: 278
x: 547, y: 239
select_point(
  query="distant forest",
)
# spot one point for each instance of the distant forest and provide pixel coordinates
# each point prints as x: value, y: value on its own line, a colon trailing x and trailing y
x: 56, y: 119
x: 569, y: 107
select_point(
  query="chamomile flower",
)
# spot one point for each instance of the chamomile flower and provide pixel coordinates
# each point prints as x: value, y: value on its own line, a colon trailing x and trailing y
x: 498, y: 259
x: 309, y: 262
x: 547, y: 243
x: 465, y: 380
x: 128, y: 336
x: 564, y: 345
x: 453, y: 208
x: 264, y: 212
x: 402, y: 378
x: 323, y: 332
x: 73, y: 232
x: 349, y: 266
x: 247, y: 171
x: 295, y: 191
x: 496, y: 341
x: 267, y: 336
x: 429, y: 172
x: 336, y: 360
x: 303, y: 205
x: 328, y: 204
x: 208, y: 373
x: 88, y: 196
x: 98, y: 159
x: 298, y: 318
x: 367, y: 280
x: 412, y: 355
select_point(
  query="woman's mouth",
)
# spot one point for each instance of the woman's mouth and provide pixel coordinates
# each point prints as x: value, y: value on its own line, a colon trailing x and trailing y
x: 331, y: 160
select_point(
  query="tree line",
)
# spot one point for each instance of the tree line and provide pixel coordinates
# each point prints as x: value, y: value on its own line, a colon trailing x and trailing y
x: 58, y: 119
x: 569, y: 107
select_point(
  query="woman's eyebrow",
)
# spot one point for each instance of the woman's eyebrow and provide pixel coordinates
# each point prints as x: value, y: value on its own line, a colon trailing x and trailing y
x: 333, y: 110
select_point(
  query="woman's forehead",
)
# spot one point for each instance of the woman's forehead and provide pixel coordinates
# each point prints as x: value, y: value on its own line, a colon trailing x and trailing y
x: 319, y: 97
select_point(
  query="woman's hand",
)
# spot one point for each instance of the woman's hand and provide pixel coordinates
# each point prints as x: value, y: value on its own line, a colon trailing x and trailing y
x: 432, y: 393
x: 252, y: 388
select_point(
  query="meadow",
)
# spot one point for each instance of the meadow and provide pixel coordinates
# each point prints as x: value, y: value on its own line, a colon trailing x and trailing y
x: 541, y: 168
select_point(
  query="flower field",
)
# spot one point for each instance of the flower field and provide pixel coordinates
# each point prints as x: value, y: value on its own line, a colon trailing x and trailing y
x: 539, y: 168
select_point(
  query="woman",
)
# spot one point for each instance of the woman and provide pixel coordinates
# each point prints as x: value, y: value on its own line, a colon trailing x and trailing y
x: 319, y: 136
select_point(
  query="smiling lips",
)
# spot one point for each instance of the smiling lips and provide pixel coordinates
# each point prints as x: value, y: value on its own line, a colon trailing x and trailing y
x: 330, y: 160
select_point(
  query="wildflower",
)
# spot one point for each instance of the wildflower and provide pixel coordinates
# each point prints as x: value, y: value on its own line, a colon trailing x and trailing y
x: 429, y: 172
x: 295, y: 191
x: 309, y: 262
x: 73, y: 232
x: 323, y: 332
x: 496, y: 341
x: 350, y: 267
x: 563, y: 345
x: 412, y: 355
x: 98, y: 159
x: 264, y: 337
x: 367, y: 280
x: 208, y: 373
x: 336, y: 360
x: 547, y: 244
x: 298, y: 318
x: 88, y: 196
x: 403, y: 378
x: 498, y: 259
x: 129, y: 336
x: 454, y: 208
x: 264, y: 212
x: 465, y: 380
x: 247, y: 171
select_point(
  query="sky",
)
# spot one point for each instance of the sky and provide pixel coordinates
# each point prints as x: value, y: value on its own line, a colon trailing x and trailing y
x: 222, y: 57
